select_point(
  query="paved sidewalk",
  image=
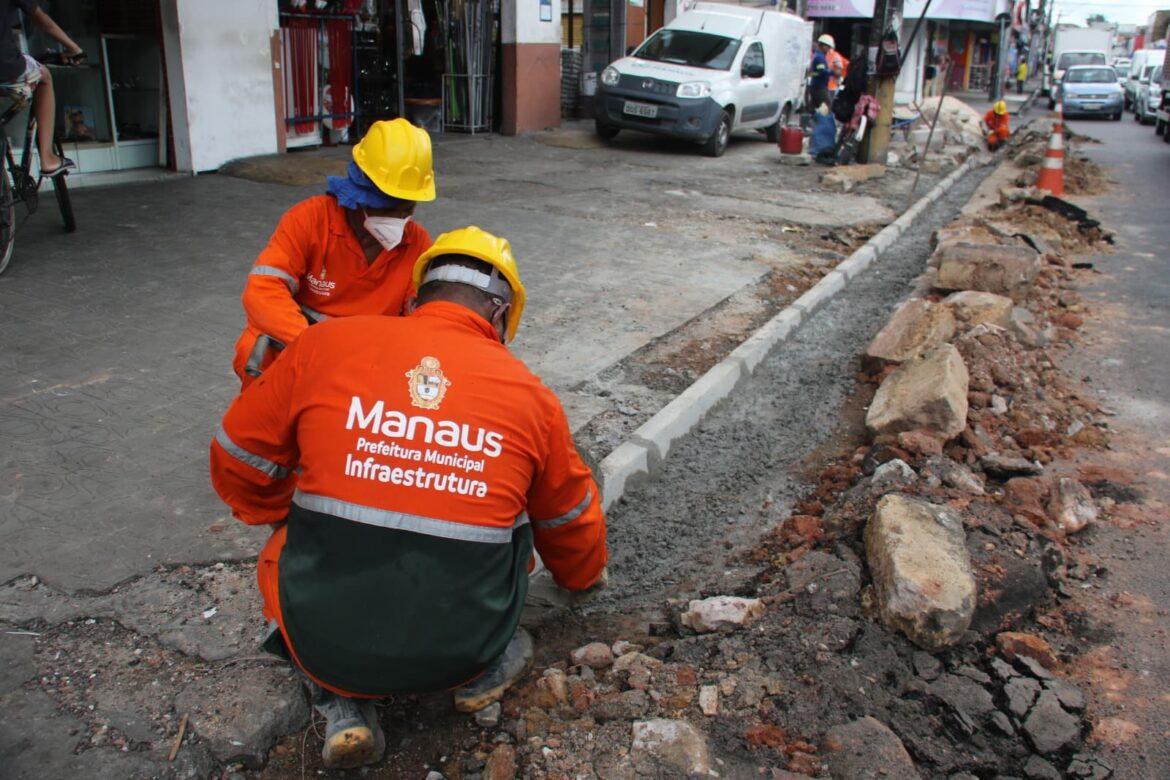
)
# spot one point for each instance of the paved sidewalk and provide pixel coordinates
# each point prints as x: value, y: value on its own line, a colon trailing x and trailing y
x: 117, y: 339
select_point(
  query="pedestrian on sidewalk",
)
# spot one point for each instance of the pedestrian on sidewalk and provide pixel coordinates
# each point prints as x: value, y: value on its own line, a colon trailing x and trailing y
x: 1021, y: 76
x: 408, y: 466
x: 344, y: 253
x: 996, y: 125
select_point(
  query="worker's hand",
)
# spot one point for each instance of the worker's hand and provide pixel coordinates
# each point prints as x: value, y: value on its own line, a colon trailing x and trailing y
x: 582, y: 596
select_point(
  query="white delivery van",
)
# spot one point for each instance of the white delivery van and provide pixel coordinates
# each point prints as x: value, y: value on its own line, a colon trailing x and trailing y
x: 1140, y: 67
x: 712, y: 70
x: 1079, y: 41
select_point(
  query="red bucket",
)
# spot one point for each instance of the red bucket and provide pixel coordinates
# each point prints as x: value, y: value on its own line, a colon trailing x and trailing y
x: 791, y: 140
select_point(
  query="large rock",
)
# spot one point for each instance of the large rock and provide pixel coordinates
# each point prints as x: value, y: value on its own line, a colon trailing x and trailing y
x: 994, y: 268
x: 921, y: 570
x: 240, y: 714
x: 973, y: 307
x: 927, y: 393
x: 866, y: 748
x: 845, y: 178
x: 1049, y: 727
x: 721, y: 613
x: 1072, y: 506
x: 917, y: 327
x: 673, y: 746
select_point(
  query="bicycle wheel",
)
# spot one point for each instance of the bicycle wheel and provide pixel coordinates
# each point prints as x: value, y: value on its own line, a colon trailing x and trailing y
x: 7, y: 221
x: 61, y: 189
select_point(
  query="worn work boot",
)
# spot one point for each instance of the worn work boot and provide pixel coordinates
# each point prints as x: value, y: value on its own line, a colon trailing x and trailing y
x: 501, y: 675
x: 353, y: 736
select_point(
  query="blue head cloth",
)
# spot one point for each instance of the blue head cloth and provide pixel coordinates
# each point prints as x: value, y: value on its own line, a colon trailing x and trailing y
x: 356, y: 191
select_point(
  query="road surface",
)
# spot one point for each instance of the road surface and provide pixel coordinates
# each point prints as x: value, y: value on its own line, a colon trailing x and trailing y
x: 1126, y: 361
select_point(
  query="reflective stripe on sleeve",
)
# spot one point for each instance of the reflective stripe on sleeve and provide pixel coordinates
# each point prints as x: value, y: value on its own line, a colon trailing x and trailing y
x: 268, y: 270
x: 313, y: 314
x: 567, y: 517
x: 262, y: 464
x: 400, y: 521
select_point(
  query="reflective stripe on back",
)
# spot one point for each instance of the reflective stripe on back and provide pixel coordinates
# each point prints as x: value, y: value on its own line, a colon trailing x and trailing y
x: 567, y: 517
x: 268, y: 270
x: 258, y: 462
x: 385, y: 518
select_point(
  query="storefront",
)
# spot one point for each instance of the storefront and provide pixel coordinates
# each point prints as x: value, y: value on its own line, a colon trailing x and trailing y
x: 953, y: 32
x: 187, y: 86
x: 112, y: 112
x: 349, y: 63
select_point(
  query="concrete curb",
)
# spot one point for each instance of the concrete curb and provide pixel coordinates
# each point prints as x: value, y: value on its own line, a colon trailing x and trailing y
x: 641, y: 456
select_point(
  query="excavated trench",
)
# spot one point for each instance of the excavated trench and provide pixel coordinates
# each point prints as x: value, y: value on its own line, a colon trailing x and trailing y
x: 740, y: 472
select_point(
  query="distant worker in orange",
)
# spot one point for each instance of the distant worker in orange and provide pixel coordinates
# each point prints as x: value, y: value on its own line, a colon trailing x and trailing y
x: 838, y: 65
x: 344, y: 253
x: 995, y: 123
x: 408, y: 467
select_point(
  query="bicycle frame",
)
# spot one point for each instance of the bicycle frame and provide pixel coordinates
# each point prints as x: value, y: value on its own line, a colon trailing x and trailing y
x: 23, y: 185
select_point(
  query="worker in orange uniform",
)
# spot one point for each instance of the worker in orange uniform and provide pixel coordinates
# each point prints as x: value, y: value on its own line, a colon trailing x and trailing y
x: 995, y: 123
x: 838, y: 65
x: 408, y: 466
x: 347, y: 252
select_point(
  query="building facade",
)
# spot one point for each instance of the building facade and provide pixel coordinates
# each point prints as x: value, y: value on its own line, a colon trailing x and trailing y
x: 188, y: 85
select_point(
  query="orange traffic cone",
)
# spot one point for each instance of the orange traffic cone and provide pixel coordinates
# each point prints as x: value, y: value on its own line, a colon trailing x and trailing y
x: 1052, y: 168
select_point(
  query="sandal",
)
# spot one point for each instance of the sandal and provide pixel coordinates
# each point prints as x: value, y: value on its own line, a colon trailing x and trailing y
x: 66, y: 165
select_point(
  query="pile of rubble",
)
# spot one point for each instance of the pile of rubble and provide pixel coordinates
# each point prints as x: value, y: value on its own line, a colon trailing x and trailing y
x: 956, y: 135
x: 886, y: 630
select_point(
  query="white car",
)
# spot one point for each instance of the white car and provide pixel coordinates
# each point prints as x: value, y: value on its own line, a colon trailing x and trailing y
x: 1144, y: 61
x: 1149, y: 97
x: 711, y: 71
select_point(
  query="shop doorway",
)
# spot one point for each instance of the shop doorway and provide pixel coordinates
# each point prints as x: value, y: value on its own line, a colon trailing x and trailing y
x: 355, y: 62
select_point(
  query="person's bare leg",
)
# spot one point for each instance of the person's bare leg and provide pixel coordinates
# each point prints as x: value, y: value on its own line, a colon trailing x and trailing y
x: 44, y: 109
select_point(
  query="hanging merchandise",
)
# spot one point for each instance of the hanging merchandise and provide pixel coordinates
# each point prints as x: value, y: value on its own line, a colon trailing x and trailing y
x: 418, y: 27
x: 889, y: 60
x: 339, y: 69
x: 467, y: 83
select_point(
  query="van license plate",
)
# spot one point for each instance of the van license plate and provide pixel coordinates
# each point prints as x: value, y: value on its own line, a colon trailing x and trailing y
x: 640, y: 109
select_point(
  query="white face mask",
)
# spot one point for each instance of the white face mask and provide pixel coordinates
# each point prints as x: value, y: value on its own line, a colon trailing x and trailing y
x: 387, y: 230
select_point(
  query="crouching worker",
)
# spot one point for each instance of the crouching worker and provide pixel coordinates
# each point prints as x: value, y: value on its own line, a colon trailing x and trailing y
x: 996, y: 124
x: 408, y: 467
x: 344, y: 253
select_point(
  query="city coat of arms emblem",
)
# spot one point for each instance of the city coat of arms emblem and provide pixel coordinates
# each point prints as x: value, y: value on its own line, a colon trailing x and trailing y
x: 427, y: 384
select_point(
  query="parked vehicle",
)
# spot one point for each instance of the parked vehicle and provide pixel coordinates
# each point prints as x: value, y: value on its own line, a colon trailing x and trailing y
x: 1121, y: 65
x: 711, y: 71
x: 1162, y: 116
x: 1140, y: 67
x: 1072, y: 59
x: 1149, y: 97
x: 1076, y: 39
x: 1092, y: 90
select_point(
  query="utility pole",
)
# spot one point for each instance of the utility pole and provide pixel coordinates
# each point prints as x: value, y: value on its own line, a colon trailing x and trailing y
x: 887, y: 18
x: 995, y: 88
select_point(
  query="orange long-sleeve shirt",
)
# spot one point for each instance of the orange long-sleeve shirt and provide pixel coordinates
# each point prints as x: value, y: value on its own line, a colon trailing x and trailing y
x: 314, y: 263
x: 430, y: 461
x: 998, y: 124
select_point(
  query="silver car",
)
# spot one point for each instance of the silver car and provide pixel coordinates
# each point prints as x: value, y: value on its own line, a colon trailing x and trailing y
x: 1149, y: 97
x: 1091, y: 90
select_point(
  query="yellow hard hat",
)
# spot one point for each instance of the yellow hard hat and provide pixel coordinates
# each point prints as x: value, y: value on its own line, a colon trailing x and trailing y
x: 396, y: 156
x: 482, y: 245
x: 1000, y: 107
